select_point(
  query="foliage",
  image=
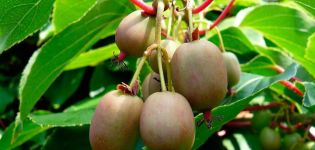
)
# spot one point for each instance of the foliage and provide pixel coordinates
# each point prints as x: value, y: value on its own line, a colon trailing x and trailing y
x: 56, y: 62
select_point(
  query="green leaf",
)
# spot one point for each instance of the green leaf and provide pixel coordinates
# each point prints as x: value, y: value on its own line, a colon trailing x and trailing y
x: 308, y: 5
x: 309, y: 96
x: 93, y: 57
x: 68, y: 11
x: 286, y: 27
x: 310, y: 49
x: 235, y: 40
x: 259, y: 65
x: 48, y: 63
x: 64, y: 87
x: 277, y: 56
x: 249, y: 86
x: 29, y: 130
x: 64, y: 119
x: 87, y: 103
x: 19, y: 19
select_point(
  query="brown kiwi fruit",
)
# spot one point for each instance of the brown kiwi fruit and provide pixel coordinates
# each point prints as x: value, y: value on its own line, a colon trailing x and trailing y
x: 115, y: 123
x: 150, y: 85
x: 233, y: 68
x: 167, y: 122
x: 199, y: 74
x: 135, y: 33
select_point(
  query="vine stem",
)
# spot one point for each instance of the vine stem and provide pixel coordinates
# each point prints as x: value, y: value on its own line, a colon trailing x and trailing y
x: 219, y: 19
x: 145, y: 7
x: 168, y: 70
x: 189, y: 7
x: 220, y: 39
x: 141, y: 63
x: 170, y: 20
x: 201, y: 7
x: 158, y: 30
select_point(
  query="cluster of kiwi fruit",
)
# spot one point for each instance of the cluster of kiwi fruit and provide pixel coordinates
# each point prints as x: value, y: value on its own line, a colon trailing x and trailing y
x: 201, y: 75
x: 272, y: 139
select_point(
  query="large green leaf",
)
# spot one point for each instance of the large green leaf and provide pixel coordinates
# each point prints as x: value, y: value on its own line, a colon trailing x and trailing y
x: 68, y: 11
x: 308, y: 5
x: 48, y: 63
x: 259, y: 65
x: 18, y: 19
x: 234, y: 40
x: 93, y: 57
x: 309, y: 97
x: 286, y: 27
x: 249, y: 86
x: 64, y: 119
x: 277, y: 56
x: 310, y: 49
x: 29, y: 130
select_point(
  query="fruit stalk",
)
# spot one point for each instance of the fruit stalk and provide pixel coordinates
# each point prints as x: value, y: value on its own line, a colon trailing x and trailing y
x: 189, y: 8
x: 168, y: 69
x: 170, y: 20
x: 141, y: 63
x: 158, y: 29
x: 201, y: 7
x: 220, y: 18
x: 222, y: 48
x: 145, y: 7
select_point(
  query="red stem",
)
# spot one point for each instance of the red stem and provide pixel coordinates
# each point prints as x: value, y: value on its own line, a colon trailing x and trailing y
x: 237, y: 124
x: 145, y: 7
x: 292, y: 87
x: 200, y: 8
x: 263, y: 107
x: 220, y: 18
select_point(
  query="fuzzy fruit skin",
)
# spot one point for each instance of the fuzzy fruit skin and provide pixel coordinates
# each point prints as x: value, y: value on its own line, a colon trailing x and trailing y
x: 261, y: 119
x: 293, y: 141
x: 135, y: 33
x: 233, y: 68
x: 199, y: 74
x: 151, y: 85
x: 170, y: 47
x: 115, y: 124
x: 167, y: 122
x: 270, y: 139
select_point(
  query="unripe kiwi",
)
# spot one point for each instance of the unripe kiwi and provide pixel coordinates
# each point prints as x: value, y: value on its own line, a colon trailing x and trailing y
x: 151, y: 84
x: 261, y: 119
x: 167, y: 122
x: 199, y: 74
x: 292, y: 141
x: 170, y: 47
x: 135, y: 33
x: 115, y: 124
x: 270, y: 139
x: 233, y: 68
